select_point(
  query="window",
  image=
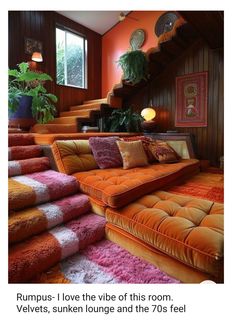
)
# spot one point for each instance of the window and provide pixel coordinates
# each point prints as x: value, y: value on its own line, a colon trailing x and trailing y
x: 71, y: 58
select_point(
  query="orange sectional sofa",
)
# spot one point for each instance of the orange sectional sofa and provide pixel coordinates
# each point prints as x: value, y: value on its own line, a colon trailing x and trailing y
x: 181, y: 235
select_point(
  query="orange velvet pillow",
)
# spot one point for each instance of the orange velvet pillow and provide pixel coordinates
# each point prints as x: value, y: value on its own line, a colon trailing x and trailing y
x: 132, y: 153
x: 145, y: 141
x: 163, y: 152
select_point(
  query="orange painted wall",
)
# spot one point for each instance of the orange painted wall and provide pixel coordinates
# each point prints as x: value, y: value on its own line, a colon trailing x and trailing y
x: 116, y: 42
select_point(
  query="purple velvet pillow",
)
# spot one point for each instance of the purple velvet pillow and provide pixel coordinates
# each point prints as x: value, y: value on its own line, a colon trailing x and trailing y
x: 106, y: 152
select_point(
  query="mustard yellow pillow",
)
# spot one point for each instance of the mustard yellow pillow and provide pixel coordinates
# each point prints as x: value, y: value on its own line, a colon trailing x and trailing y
x: 132, y: 153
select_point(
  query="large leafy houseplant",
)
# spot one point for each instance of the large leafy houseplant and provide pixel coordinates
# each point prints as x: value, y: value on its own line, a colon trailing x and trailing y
x: 24, y: 82
x: 124, y: 121
x: 134, y: 66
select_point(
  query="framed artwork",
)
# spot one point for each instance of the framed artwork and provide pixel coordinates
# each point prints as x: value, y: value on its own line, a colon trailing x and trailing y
x: 32, y: 45
x: 191, y: 100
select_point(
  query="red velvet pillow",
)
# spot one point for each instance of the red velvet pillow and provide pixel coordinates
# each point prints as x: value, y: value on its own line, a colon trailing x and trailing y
x: 163, y: 152
x: 145, y: 142
x: 106, y: 152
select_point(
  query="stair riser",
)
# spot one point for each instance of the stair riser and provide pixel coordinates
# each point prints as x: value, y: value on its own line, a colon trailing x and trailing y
x: 64, y: 120
x: 24, y: 152
x: 22, y: 167
x: 20, y: 140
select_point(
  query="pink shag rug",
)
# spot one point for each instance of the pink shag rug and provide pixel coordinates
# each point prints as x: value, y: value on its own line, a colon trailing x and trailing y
x: 104, y: 262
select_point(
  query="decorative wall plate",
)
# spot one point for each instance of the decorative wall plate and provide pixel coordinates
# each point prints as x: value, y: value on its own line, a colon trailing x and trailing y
x: 137, y: 39
x: 165, y: 23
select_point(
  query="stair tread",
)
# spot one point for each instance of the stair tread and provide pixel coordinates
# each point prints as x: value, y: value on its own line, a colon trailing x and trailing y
x: 43, y: 251
x: 78, y: 113
x: 32, y: 221
x: 20, y: 139
x: 39, y: 187
x: 27, y: 166
x: 99, y: 100
x: 54, y: 128
x: 85, y: 106
x: 24, y: 152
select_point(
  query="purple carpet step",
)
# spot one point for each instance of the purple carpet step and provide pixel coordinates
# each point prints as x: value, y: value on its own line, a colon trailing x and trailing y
x: 39, y: 187
x: 24, y: 152
x: 23, y: 167
x: 39, y: 253
x: 104, y: 262
x: 32, y: 221
x: 20, y: 139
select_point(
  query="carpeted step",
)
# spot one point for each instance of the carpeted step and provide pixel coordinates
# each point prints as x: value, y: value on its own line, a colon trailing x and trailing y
x: 20, y: 139
x: 79, y: 113
x: 92, y: 101
x: 32, y: 221
x: 63, y: 120
x: 39, y: 187
x: 54, y: 128
x: 24, y: 152
x: 104, y: 262
x: 22, y: 167
x: 41, y: 252
x: 92, y: 106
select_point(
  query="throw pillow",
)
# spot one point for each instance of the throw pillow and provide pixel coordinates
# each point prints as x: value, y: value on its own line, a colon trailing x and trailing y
x: 133, y: 154
x: 106, y: 152
x: 146, y: 142
x: 163, y: 152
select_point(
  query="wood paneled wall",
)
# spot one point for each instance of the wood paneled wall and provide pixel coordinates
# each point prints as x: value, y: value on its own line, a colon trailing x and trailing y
x: 209, y: 140
x: 40, y: 25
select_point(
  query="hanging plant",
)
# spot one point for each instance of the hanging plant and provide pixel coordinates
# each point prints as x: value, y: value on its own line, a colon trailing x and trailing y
x: 134, y: 66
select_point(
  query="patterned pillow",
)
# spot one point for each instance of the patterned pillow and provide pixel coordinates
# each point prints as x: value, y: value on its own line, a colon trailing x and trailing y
x: 145, y: 141
x: 163, y: 152
x: 106, y: 152
x: 133, y: 154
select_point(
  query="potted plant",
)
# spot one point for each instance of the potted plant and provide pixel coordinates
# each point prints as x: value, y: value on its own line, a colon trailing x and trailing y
x: 124, y: 121
x: 134, y: 66
x: 26, y: 94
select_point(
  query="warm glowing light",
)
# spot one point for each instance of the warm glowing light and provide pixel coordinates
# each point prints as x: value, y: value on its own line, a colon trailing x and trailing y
x: 37, y: 56
x: 148, y: 114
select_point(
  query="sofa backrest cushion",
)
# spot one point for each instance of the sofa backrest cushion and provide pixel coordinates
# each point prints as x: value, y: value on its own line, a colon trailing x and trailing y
x: 106, y: 152
x: 73, y: 156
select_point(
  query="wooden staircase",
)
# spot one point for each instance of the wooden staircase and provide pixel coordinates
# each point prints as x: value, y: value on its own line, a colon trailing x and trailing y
x: 71, y: 121
x: 90, y: 111
x: 160, y: 57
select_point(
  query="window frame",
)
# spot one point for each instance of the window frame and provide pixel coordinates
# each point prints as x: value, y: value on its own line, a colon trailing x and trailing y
x: 85, y: 56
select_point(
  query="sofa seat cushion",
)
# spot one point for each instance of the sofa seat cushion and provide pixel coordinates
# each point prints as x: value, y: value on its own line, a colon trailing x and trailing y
x: 185, y: 228
x: 117, y: 187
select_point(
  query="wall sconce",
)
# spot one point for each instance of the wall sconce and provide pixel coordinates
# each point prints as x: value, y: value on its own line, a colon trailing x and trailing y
x: 37, y: 57
x: 149, y: 124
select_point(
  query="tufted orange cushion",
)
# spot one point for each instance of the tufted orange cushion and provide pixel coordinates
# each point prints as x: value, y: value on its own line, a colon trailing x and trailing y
x: 117, y: 187
x: 187, y: 229
x: 73, y: 156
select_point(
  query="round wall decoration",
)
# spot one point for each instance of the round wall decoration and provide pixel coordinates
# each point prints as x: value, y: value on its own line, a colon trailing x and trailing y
x: 137, y: 39
x: 165, y: 23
